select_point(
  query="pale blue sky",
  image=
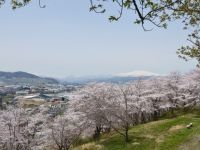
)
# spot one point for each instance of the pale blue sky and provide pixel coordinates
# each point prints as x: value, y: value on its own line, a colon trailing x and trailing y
x: 65, y: 39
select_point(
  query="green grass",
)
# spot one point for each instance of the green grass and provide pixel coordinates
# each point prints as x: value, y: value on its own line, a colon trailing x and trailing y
x: 165, y: 134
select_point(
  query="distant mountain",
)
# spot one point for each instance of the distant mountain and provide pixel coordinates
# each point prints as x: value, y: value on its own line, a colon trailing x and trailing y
x: 18, y: 74
x: 118, y: 78
x: 113, y: 79
x: 141, y: 73
x: 24, y: 78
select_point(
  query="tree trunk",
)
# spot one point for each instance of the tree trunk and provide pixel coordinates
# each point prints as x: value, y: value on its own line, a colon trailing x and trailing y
x: 173, y: 113
x: 97, y: 133
x: 126, y: 135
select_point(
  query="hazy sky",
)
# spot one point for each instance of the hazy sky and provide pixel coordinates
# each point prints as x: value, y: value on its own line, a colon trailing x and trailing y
x: 66, y: 39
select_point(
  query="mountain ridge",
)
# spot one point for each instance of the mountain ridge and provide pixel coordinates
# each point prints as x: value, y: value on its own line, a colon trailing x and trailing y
x: 17, y: 74
x: 137, y: 73
x: 115, y: 78
x: 21, y: 77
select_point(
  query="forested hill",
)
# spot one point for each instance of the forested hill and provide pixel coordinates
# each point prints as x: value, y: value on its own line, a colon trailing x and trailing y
x: 18, y: 74
x: 24, y: 78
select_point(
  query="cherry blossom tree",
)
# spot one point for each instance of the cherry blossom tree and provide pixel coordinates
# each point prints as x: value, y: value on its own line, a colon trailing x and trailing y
x: 92, y: 103
x: 16, y: 132
x: 65, y: 132
x: 173, y: 82
x: 125, y: 106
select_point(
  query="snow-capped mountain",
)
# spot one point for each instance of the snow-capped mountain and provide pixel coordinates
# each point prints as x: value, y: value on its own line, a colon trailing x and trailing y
x: 141, y: 73
x: 117, y: 78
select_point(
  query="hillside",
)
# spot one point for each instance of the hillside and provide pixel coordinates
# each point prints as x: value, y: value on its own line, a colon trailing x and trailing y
x: 18, y: 74
x: 24, y: 78
x: 167, y: 134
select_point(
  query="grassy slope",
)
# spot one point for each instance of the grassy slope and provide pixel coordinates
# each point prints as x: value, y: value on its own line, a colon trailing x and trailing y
x: 166, y: 134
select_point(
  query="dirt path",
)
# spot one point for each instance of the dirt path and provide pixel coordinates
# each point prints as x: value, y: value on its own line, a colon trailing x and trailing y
x: 193, y: 144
